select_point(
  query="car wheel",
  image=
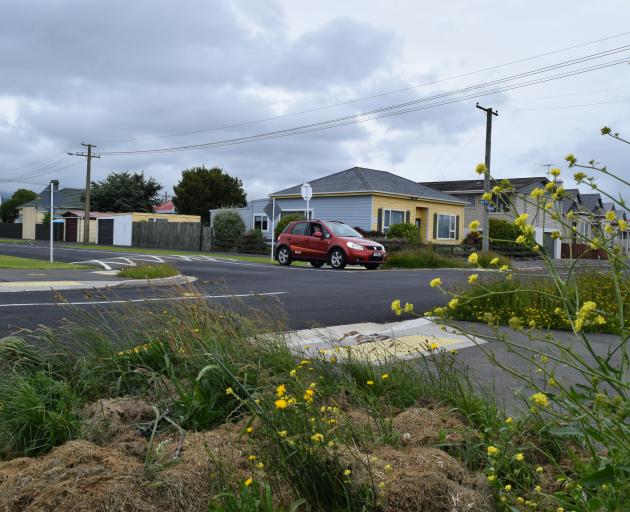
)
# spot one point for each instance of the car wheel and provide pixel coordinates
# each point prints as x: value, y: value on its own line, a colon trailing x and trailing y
x: 284, y: 256
x: 316, y: 264
x: 372, y: 266
x: 337, y: 259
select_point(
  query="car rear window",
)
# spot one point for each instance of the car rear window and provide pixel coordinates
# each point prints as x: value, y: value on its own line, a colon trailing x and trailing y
x: 301, y: 228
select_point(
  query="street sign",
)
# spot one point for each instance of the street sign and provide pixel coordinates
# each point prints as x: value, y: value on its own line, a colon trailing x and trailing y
x: 307, y: 191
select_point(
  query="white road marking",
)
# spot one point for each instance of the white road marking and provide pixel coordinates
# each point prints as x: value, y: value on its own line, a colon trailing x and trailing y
x: 150, y: 299
x: 99, y: 262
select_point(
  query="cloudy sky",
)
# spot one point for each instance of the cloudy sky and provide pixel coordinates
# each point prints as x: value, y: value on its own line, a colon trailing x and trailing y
x: 144, y: 74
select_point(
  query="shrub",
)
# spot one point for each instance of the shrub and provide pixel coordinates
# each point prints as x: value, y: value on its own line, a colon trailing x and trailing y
x: 228, y: 228
x: 407, y: 231
x: 472, y: 238
x: 149, y: 271
x: 486, y: 257
x: 503, y: 231
x: 283, y: 222
x: 372, y: 233
x: 253, y: 242
x: 421, y: 258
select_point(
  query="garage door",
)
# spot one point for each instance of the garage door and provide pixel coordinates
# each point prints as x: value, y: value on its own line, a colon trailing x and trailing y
x: 106, y: 231
x: 72, y: 225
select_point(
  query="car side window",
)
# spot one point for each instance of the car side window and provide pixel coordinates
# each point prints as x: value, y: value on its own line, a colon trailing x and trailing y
x: 300, y: 228
x: 315, y: 227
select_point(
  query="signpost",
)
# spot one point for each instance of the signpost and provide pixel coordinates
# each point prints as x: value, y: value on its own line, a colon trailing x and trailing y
x: 307, y: 193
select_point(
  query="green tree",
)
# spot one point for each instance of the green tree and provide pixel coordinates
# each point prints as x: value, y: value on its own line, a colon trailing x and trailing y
x: 282, y: 223
x: 8, y: 210
x: 125, y: 192
x: 201, y: 190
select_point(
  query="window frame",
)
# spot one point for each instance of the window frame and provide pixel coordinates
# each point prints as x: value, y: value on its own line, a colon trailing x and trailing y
x: 389, y: 211
x: 264, y: 221
x: 452, y: 227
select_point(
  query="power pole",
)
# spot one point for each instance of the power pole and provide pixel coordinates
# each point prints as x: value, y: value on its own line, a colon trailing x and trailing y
x: 485, y: 241
x: 88, y: 183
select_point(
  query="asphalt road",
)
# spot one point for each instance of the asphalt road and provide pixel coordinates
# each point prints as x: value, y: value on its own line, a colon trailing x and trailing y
x: 311, y: 297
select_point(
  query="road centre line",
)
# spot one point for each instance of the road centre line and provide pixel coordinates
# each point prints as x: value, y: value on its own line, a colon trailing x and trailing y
x: 150, y: 299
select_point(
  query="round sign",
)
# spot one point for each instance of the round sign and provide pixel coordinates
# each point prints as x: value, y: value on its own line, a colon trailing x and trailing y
x: 307, y: 192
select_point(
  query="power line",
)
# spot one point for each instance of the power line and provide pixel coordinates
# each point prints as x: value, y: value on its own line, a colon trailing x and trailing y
x: 41, y: 170
x: 559, y: 107
x: 399, y: 108
x: 25, y: 178
x: 365, y: 98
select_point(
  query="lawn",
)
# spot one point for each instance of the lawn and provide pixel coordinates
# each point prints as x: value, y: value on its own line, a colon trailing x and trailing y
x: 156, y: 271
x: 14, y: 262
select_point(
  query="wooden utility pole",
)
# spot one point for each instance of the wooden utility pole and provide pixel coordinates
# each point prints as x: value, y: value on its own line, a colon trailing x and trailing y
x: 88, y: 185
x: 485, y: 241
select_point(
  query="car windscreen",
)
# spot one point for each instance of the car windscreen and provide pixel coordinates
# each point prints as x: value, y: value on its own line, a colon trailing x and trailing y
x: 340, y: 229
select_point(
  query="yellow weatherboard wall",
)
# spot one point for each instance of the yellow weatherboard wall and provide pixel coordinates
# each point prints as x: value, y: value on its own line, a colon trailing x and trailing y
x: 169, y: 217
x: 409, y: 204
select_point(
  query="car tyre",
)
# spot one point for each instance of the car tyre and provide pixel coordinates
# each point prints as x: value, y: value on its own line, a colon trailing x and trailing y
x: 372, y: 266
x: 316, y: 264
x: 284, y: 256
x: 337, y: 259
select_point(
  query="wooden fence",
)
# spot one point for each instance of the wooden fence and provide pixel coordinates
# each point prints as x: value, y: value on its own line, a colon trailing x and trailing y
x: 584, y: 251
x: 10, y: 230
x: 168, y: 235
x: 42, y: 232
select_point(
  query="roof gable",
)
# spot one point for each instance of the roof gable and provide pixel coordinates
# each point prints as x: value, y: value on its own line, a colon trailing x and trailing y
x: 66, y: 198
x: 361, y: 179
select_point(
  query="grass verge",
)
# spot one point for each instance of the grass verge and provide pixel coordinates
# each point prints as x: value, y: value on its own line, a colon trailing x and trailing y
x: 149, y: 271
x: 15, y: 262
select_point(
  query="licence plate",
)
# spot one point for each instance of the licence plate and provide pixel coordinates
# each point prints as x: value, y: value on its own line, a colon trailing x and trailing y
x: 377, y: 254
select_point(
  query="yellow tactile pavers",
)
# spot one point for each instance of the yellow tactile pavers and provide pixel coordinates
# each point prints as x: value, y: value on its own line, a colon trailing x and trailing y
x: 403, y: 346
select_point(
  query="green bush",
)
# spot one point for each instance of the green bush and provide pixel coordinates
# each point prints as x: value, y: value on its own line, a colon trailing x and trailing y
x: 409, y: 232
x: 149, y: 271
x: 228, y: 228
x: 253, y: 242
x: 283, y: 222
x: 421, y: 258
x: 37, y: 412
x: 486, y: 257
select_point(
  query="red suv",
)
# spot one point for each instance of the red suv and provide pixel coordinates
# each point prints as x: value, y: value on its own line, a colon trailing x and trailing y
x: 320, y: 242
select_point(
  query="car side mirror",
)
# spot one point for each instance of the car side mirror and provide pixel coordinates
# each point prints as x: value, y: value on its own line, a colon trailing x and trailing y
x: 318, y: 234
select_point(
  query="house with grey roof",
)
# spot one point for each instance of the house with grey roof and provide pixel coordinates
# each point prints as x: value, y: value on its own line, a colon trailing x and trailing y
x: 369, y: 199
x: 504, y: 205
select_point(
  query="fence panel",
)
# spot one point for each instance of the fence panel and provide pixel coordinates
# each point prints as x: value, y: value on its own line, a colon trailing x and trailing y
x: 584, y: 251
x: 167, y: 235
x: 10, y: 230
x: 42, y: 232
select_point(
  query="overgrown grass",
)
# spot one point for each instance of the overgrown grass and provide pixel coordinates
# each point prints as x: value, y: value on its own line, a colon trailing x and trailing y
x: 15, y: 262
x: 149, y: 271
x: 536, y: 303
x: 421, y: 258
x: 490, y: 259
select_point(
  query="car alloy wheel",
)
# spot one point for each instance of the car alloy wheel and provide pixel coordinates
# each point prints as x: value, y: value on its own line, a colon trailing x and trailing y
x: 284, y: 257
x: 337, y: 259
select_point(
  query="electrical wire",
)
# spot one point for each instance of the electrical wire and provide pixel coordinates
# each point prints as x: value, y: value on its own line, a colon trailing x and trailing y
x: 400, y: 108
x: 558, y: 107
x: 365, y: 98
x: 62, y: 164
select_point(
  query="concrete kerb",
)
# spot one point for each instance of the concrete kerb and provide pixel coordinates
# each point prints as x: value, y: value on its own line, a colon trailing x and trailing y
x: 40, y: 286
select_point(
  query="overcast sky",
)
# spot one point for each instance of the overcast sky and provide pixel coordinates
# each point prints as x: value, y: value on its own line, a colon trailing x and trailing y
x: 125, y: 74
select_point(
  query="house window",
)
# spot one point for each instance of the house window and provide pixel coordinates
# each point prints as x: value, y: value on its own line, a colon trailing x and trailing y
x: 501, y: 203
x: 391, y: 217
x: 447, y: 226
x: 301, y: 213
x: 261, y: 222
x: 469, y: 198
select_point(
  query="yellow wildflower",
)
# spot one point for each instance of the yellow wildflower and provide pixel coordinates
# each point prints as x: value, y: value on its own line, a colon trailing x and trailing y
x: 520, y: 239
x: 408, y: 308
x: 495, y: 261
x: 555, y: 172
x: 540, y: 469
x: 521, y: 219
x: 486, y: 196
x: 370, y: 382
x: 229, y: 391
x: 537, y: 192
x: 252, y: 458
x: 249, y: 482
x: 474, y: 225
x: 385, y: 376
x: 396, y: 306
x: 622, y: 225
x: 347, y: 472
x: 552, y: 381
x: 538, y: 488
x: 260, y: 465
x: 388, y: 467
x: 540, y: 399
x: 481, y: 168
x: 519, y: 456
x: 281, y: 390
x: 508, y: 487
x: 317, y: 437
x: 473, y: 278
x: 491, y: 478
x: 493, y: 450
x: 610, y: 216
x: 509, y: 420
x: 293, y: 373
x: 473, y: 258
x: 281, y: 403
x: 453, y: 303
x: 282, y: 433
x: 249, y: 430
x: 435, y: 282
